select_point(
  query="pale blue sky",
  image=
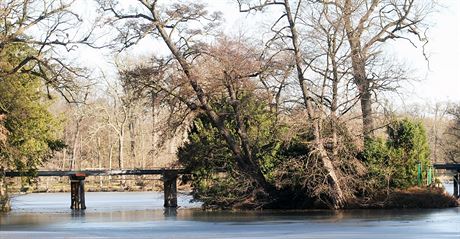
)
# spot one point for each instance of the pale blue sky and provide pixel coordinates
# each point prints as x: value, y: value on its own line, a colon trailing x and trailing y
x: 439, y: 82
x: 443, y: 78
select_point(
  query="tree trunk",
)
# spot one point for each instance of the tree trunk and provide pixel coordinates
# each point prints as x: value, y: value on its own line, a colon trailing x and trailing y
x: 110, y: 154
x: 132, y: 135
x: 334, y: 118
x: 121, y: 154
x: 99, y: 158
x: 142, y: 150
x: 363, y: 84
x: 358, y: 62
x: 154, y: 129
x: 338, y: 198
x: 64, y: 158
x: 335, y: 88
x: 366, y: 109
x: 74, y: 146
x: 120, y: 149
x: 80, y: 153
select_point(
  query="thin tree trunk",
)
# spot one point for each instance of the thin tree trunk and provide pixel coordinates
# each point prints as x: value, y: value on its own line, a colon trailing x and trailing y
x: 74, y: 146
x: 120, y: 149
x: 132, y: 135
x: 338, y: 198
x: 80, y: 150
x: 141, y: 150
x: 334, y: 120
x: 99, y: 158
x: 121, y: 154
x: 335, y: 87
x: 154, y: 129
x: 64, y: 158
x: 110, y: 154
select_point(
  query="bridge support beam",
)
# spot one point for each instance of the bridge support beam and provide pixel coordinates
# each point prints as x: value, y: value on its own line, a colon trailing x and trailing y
x: 77, y: 192
x: 456, y: 184
x: 170, y: 189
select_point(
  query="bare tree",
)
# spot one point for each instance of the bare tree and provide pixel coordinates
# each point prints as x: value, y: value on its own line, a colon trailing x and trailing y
x: 155, y: 84
x: 117, y: 118
x: 288, y: 33
x: 48, y: 28
x: 370, y: 24
x: 329, y: 69
x: 452, y: 136
x: 182, y: 27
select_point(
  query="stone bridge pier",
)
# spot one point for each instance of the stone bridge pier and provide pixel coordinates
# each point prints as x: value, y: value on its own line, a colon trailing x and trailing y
x: 77, y: 191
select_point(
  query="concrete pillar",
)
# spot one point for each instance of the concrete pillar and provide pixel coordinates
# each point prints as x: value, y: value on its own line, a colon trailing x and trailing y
x: 170, y: 189
x: 77, y: 192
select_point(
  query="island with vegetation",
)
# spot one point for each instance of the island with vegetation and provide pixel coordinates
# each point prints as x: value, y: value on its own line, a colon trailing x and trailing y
x: 298, y: 114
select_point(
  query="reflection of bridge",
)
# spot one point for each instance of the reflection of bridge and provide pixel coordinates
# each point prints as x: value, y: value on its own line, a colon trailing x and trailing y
x: 77, y: 181
x: 455, y: 167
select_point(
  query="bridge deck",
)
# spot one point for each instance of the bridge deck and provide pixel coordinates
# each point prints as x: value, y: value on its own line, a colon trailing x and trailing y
x: 58, y: 173
x: 77, y: 181
x: 447, y: 166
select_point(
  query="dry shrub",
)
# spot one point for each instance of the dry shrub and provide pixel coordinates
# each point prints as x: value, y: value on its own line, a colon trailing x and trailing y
x: 414, y: 197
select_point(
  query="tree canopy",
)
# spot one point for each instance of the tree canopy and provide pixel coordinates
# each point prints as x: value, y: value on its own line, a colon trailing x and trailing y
x: 30, y: 131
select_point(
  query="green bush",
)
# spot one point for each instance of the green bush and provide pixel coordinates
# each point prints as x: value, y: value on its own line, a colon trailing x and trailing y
x: 393, y: 163
x: 217, y: 181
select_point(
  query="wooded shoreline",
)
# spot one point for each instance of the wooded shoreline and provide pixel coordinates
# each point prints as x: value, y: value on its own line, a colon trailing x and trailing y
x: 298, y: 114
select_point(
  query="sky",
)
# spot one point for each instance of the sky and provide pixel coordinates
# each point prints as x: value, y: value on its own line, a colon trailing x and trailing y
x: 440, y: 77
x: 437, y: 80
x: 443, y: 77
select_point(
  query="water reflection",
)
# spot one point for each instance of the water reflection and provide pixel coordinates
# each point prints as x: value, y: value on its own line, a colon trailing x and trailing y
x: 170, y: 212
x: 77, y: 213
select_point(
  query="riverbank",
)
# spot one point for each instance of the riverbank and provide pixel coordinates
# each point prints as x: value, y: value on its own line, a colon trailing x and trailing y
x: 415, y: 197
x: 426, y: 198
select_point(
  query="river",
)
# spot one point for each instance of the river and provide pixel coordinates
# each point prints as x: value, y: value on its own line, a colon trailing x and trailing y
x: 141, y: 215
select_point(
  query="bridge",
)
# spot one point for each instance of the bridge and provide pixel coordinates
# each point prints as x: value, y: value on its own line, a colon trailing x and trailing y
x: 77, y: 181
x: 455, y: 167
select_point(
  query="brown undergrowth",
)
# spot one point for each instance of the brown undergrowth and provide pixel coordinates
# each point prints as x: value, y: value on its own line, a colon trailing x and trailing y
x: 414, y: 197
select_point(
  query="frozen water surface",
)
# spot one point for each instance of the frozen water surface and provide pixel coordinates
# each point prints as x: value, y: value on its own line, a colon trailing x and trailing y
x: 141, y: 215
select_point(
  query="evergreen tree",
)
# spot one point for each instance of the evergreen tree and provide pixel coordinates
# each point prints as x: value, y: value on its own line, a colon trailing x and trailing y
x: 394, y: 162
x: 30, y: 131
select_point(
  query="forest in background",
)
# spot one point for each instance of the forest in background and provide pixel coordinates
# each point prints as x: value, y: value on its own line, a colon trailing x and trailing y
x: 300, y: 115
